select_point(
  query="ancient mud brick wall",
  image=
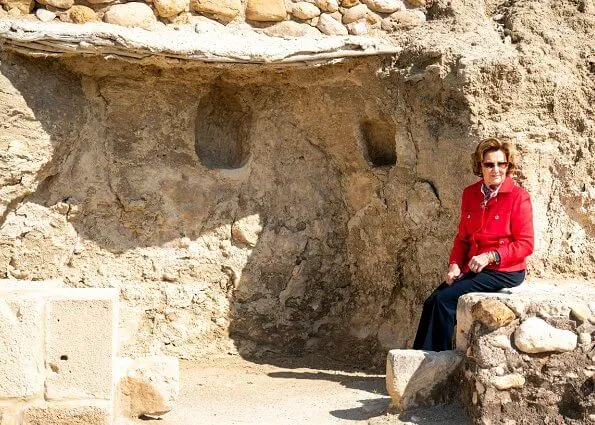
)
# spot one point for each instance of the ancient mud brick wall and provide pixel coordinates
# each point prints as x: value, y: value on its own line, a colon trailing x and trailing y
x: 530, y: 356
x: 57, y: 354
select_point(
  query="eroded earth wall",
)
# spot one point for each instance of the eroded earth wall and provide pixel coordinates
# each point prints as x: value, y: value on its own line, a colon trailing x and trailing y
x: 259, y: 208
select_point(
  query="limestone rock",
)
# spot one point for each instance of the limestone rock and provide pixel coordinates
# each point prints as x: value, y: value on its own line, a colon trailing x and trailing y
x: 99, y: 1
x: 414, y: 377
x: 60, y: 4
x: 359, y: 27
x: 329, y: 26
x: 132, y: 14
x: 305, y: 10
x: 384, y: 6
x: 493, y: 313
x: 402, y: 20
x: 534, y: 335
x: 355, y: 13
x: 291, y: 29
x: 24, y: 6
x: 580, y: 311
x: 266, y: 10
x: 416, y: 3
x: 45, y: 15
x: 169, y: 8
x: 148, y: 385
x: 222, y: 10
x: 506, y: 382
x: 247, y: 229
x: 328, y: 5
x: 80, y: 14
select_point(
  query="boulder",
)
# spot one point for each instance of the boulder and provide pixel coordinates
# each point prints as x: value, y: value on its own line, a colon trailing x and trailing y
x: 355, y: 13
x: 24, y: 6
x: 59, y: 4
x: 416, y: 378
x: 222, y: 10
x: 81, y: 14
x: 535, y: 335
x: 384, y: 6
x: 329, y: 26
x: 169, y: 8
x: 359, y: 27
x: 304, y: 10
x: 266, y: 10
x: 328, y: 5
x: 148, y: 385
x: 492, y: 313
x: 132, y: 14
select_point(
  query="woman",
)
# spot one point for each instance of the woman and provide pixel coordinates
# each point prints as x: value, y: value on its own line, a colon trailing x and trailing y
x: 495, y: 236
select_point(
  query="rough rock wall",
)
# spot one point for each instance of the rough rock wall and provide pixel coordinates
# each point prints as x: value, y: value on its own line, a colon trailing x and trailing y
x: 293, y: 209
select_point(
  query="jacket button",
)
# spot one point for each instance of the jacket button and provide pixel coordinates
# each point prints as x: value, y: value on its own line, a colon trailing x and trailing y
x: 501, y: 242
x: 468, y: 215
x: 497, y: 217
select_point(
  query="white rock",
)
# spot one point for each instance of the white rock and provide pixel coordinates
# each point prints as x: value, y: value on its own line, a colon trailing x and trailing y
x: 358, y: 27
x: 45, y: 15
x: 505, y: 382
x: 580, y: 311
x: 585, y: 338
x: 247, y: 229
x: 501, y: 341
x: 132, y: 14
x: 328, y: 5
x: 413, y: 375
x: 355, y: 13
x: 330, y: 26
x: 534, y: 335
x: 384, y: 6
x: 148, y: 385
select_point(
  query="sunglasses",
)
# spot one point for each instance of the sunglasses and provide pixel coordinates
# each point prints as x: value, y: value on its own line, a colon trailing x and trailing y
x: 491, y: 165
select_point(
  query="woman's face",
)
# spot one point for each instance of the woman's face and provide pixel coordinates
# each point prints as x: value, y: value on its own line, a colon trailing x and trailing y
x: 493, y: 168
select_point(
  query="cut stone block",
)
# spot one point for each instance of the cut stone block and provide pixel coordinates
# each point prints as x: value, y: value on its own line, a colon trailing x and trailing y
x: 21, y: 352
x: 95, y: 413
x: 9, y: 414
x: 81, y: 343
x: 419, y: 378
x: 148, y: 385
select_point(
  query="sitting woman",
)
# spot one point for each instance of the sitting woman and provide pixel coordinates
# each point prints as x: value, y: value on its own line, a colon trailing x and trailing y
x: 495, y: 236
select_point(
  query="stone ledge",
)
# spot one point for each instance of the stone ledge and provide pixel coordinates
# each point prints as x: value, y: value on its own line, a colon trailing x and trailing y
x: 533, y: 298
x: 54, y: 39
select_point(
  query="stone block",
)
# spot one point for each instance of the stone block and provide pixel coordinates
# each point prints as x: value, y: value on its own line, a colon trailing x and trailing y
x: 13, y: 285
x: 9, y: 413
x: 148, y: 385
x: 81, y: 343
x: 418, y: 378
x: 21, y: 351
x: 492, y: 313
x: 89, y: 413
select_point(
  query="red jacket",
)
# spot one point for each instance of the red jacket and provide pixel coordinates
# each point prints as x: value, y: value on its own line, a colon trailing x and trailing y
x: 504, y: 225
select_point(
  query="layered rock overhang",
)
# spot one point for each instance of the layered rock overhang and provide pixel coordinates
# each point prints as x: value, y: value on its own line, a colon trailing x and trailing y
x: 137, y: 45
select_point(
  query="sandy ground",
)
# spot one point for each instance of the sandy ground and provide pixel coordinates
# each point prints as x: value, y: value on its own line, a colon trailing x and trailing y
x: 234, y: 391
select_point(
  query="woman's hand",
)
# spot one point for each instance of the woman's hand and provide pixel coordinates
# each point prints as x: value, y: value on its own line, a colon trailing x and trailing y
x: 453, y: 272
x: 478, y: 262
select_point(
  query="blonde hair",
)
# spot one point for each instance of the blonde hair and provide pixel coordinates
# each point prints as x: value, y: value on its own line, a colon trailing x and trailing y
x: 493, y: 145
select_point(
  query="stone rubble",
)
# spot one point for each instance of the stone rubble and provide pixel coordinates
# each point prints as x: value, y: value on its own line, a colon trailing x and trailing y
x: 535, y: 335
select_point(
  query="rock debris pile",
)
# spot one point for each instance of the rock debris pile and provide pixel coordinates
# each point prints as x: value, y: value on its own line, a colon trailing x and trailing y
x: 530, y: 358
x: 274, y: 17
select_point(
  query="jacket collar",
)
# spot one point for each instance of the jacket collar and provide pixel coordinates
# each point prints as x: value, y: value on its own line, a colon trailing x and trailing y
x: 507, y: 185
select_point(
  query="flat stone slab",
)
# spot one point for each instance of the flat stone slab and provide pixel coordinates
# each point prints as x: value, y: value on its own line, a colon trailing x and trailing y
x: 543, y: 298
x: 35, y: 38
x: 421, y: 378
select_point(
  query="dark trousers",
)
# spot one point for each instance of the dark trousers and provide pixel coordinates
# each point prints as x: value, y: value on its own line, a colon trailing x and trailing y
x: 436, y: 326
